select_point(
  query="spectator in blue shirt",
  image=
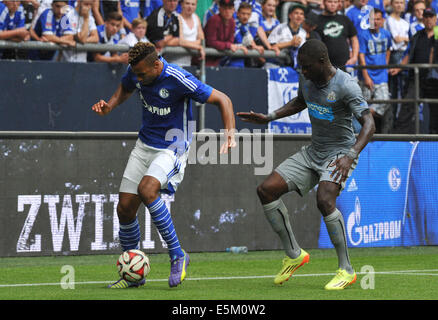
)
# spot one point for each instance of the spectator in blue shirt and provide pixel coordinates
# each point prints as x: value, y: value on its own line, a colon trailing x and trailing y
x: 268, y: 21
x: 359, y: 14
x: 416, y: 24
x: 244, y: 35
x: 48, y: 29
x: 149, y: 6
x: 374, y: 49
x: 109, y: 33
x: 12, y: 22
x: 131, y: 11
x: 12, y: 28
x: 48, y: 25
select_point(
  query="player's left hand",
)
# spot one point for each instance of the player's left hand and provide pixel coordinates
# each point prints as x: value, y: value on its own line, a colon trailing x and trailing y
x: 342, y: 166
x: 230, y: 141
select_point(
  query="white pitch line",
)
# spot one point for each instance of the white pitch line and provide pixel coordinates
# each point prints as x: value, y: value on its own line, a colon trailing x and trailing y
x: 395, y: 272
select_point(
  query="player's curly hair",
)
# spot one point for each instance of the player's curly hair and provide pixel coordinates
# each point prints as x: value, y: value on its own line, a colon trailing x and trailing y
x: 141, y: 51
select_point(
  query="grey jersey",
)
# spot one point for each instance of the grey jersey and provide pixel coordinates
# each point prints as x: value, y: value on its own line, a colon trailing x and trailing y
x: 330, y: 109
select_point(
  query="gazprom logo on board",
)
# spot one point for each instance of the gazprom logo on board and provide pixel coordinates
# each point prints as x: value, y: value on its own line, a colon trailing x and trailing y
x: 365, y: 234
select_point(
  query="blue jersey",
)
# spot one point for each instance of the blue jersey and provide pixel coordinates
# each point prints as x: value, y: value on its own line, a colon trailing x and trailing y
x: 359, y: 17
x: 268, y: 27
x: 374, y: 199
x: 47, y: 24
x: 414, y: 27
x: 241, y: 31
x: 374, y: 46
x: 3, y: 13
x: 420, y: 218
x: 103, y: 37
x: 167, y: 106
x: 434, y: 4
x: 151, y: 5
x: 10, y: 23
x: 378, y: 4
x: 214, y: 9
x: 130, y: 9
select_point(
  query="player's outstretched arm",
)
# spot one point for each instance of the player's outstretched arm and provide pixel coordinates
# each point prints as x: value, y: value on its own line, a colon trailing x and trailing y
x: 292, y: 107
x: 102, y: 107
x: 225, y: 105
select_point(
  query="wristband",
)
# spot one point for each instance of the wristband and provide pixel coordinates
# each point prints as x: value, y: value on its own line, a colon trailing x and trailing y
x: 271, y: 116
x: 352, y: 154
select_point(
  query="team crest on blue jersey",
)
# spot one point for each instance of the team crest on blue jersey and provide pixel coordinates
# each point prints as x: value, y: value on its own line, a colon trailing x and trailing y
x: 331, y: 97
x: 164, y: 93
x: 394, y: 179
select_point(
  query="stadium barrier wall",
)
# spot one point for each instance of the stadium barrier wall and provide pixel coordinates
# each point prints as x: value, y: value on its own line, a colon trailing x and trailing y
x: 59, y: 193
x: 44, y: 96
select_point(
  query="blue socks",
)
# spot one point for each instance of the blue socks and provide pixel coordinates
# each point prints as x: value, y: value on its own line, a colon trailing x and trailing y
x: 163, y: 222
x: 129, y: 235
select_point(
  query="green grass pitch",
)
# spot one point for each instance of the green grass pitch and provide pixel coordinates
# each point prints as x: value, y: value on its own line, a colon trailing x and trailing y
x: 399, y: 274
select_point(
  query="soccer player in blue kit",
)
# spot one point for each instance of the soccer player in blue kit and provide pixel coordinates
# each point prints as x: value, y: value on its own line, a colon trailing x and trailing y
x: 331, y: 97
x: 157, y: 162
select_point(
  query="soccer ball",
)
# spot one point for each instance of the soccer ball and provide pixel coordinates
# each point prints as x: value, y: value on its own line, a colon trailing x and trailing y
x: 133, y: 265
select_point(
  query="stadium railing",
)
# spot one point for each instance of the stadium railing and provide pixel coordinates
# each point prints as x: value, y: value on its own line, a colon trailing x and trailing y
x: 210, y: 52
x: 97, y: 47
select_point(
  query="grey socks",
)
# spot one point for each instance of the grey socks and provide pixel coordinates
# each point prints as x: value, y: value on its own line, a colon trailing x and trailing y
x: 336, y: 230
x: 277, y: 215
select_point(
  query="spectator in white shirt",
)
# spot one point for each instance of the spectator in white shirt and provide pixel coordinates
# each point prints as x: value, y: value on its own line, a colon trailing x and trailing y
x: 79, y: 23
x: 138, y: 33
x: 288, y: 35
x: 190, y: 32
x: 399, y: 29
x: 109, y: 33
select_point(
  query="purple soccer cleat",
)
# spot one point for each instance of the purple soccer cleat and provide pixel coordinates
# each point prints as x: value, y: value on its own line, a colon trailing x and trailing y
x: 178, y: 268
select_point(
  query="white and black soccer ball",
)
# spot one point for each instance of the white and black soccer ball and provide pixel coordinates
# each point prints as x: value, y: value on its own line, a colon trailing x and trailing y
x: 133, y: 265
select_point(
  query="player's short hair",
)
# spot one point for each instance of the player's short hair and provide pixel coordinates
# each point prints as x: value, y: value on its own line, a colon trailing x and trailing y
x: 138, y: 21
x: 142, y: 50
x: 315, y: 49
x: 114, y: 16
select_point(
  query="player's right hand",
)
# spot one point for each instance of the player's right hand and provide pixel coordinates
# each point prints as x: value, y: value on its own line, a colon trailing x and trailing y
x: 102, y: 108
x: 253, y: 117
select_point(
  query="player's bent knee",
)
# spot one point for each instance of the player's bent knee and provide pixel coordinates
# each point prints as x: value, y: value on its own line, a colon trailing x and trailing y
x: 148, y: 189
x: 325, y: 204
x: 265, y: 193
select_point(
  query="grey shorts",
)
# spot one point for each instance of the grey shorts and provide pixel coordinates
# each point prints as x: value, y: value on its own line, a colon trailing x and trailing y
x: 300, y: 171
x: 162, y: 164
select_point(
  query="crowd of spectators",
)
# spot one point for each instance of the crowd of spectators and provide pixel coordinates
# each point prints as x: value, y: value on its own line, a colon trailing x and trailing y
x: 356, y: 32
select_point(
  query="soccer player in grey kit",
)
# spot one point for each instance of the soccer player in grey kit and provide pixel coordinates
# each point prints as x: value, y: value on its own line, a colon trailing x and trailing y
x: 331, y: 97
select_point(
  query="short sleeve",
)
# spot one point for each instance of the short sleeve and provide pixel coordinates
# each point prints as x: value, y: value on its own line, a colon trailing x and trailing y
x: 47, y: 23
x: 91, y: 23
x: 351, y: 29
x: 198, y: 90
x: 129, y: 80
x: 354, y: 99
x: 22, y: 19
x: 362, y: 43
